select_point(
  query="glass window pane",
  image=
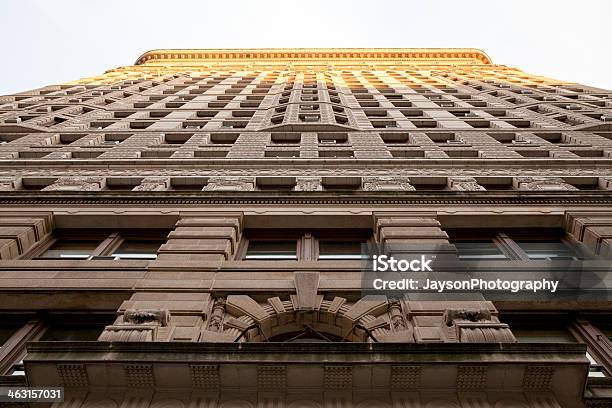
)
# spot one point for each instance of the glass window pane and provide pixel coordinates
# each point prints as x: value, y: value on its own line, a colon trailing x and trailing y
x: 271, y: 250
x: 543, y: 336
x: 546, y: 249
x: 71, y: 249
x: 478, y: 249
x: 138, y: 249
x: 340, y: 250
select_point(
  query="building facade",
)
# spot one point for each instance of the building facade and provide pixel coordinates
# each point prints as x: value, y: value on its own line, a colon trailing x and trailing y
x: 187, y: 232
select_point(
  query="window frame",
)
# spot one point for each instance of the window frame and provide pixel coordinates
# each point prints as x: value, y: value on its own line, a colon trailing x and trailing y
x: 507, y: 242
x: 307, y: 241
x: 109, y: 242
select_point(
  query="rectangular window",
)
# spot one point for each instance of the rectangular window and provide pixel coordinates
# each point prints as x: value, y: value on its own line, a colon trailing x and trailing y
x: 340, y: 250
x: 71, y: 249
x: 137, y: 249
x: 271, y: 250
x: 103, y: 244
x: 537, y: 244
x: 546, y: 250
x: 478, y: 249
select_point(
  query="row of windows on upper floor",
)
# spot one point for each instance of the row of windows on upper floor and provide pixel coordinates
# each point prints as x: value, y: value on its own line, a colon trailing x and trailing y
x: 537, y: 138
x: 323, y: 245
x: 555, y: 328
x: 364, y: 99
x: 327, y: 183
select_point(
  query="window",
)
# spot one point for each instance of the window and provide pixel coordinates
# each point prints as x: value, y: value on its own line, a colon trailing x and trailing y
x: 71, y: 249
x: 539, y: 244
x: 339, y: 250
x: 478, y: 249
x: 562, y: 328
x: 546, y: 249
x: 109, y: 245
x: 137, y: 249
x: 303, y: 245
x: 271, y: 250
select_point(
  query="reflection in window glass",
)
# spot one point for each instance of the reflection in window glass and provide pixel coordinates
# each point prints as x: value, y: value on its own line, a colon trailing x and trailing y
x: 271, y: 250
x: 478, y: 249
x: 137, y: 249
x: 71, y: 249
x: 340, y: 250
x: 543, y: 250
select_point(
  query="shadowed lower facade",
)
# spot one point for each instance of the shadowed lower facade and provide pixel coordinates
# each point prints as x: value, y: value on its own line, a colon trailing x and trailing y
x: 188, y: 232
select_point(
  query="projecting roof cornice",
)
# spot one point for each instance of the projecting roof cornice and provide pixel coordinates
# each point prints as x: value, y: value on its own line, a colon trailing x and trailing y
x: 317, y: 55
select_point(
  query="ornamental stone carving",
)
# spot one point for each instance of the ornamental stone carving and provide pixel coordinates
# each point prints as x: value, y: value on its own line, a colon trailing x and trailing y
x: 153, y: 184
x: 77, y: 184
x: 308, y: 184
x: 147, y: 316
x: 10, y: 183
x: 464, y: 184
x: 136, y: 325
x: 372, y: 318
x: 475, y: 326
x: 230, y: 184
x: 542, y: 184
x: 386, y: 184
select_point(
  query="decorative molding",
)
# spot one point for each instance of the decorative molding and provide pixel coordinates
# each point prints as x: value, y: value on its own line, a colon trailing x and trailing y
x: 205, y: 376
x: 338, y: 377
x: 404, y: 378
x: 314, y: 55
x: 73, y: 375
x: 271, y: 377
x: 471, y: 377
x: 537, y: 378
x: 139, y: 375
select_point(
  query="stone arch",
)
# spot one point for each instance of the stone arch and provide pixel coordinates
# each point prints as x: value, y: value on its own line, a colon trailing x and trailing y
x: 246, y: 319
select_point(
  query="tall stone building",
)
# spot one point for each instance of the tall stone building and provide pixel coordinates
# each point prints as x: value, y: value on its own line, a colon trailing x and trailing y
x: 186, y: 231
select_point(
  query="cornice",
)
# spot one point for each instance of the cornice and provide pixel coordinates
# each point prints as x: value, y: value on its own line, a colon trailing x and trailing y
x: 321, y: 55
x: 204, y: 199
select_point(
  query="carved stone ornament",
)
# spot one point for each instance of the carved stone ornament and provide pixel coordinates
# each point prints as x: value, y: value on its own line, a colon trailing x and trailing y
x: 475, y: 326
x: 542, y: 184
x: 308, y: 184
x: 372, y: 318
x: 387, y: 184
x: 162, y: 317
x: 77, y: 184
x: 464, y: 184
x: 230, y: 184
x: 9, y: 183
x: 153, y: 184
